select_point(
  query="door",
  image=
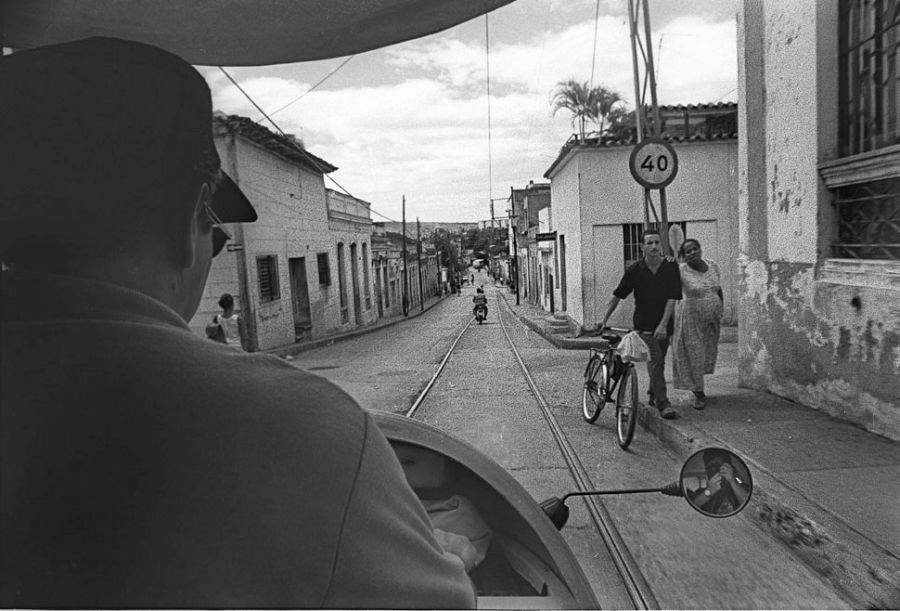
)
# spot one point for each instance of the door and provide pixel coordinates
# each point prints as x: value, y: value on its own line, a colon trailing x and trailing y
x: 300, y: 302
x: 354, y: 284
x: 608, y: 257
x: 562, y: 272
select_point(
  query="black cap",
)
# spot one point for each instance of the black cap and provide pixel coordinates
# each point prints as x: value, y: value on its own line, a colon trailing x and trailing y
x: 102, y: 120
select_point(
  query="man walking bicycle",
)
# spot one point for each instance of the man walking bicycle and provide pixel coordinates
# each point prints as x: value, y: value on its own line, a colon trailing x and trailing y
x: 656, y: 284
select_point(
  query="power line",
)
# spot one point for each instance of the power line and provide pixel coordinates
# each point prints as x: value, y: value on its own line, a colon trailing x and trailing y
x: 594, y: 52
x: 311, y: 89
x: 487, y: 57
x: 296, y: 146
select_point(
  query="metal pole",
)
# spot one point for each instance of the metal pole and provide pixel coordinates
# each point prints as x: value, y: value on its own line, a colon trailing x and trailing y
x: 405, y: 304
x: 657, y: 131
x: 419, y: 263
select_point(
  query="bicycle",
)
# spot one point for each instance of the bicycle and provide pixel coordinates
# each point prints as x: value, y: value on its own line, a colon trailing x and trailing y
x: 605, y: 374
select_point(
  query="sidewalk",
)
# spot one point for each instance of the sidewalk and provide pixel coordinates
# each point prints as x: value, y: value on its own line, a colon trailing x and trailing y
x: 828, y: 490
x: 290, y: 350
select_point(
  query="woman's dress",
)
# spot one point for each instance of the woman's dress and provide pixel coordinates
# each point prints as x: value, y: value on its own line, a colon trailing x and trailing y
x: 697, y: 320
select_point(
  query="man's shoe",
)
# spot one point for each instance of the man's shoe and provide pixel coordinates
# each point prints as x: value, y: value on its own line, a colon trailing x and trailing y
x: 668, y: 412
x: 699, y: 400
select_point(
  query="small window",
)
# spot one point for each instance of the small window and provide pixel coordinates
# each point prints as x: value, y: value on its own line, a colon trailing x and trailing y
x: 324, y: 269
x: 267, y: 271
x: 632, y: 234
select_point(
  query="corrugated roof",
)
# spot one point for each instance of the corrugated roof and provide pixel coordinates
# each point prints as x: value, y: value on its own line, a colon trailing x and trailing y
x: 287, y: 147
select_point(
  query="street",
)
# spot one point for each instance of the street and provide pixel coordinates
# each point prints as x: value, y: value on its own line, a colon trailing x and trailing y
x: 690, y: 561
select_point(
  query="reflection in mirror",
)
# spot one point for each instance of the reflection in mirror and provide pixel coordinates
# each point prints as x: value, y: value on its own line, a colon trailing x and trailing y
x: 716, y: 482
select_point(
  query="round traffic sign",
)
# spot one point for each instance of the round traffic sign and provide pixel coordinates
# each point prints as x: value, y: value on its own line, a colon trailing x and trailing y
x: 653, y: 163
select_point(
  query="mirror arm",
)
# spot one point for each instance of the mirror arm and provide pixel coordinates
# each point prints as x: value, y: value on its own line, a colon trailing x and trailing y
x: 673, y: 489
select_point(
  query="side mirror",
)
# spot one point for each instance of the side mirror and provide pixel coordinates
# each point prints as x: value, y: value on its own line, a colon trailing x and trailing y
x: 716, y: 482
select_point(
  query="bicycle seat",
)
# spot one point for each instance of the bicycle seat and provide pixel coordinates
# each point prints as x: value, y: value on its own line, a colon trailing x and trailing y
x: 612, y: 338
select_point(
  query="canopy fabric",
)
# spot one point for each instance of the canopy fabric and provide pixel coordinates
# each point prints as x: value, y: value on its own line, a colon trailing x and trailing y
x: 237, y: 32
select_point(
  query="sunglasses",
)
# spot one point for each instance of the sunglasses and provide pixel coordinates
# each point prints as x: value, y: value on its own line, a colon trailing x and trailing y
x: 219, y: 235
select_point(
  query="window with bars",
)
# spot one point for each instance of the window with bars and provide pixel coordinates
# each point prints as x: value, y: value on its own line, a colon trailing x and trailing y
x: 324, y: 269
x: 267, y: 273
x: 632, y: 234
x: 869, y: 103
x: 868, y: 213
x: 868, y: 217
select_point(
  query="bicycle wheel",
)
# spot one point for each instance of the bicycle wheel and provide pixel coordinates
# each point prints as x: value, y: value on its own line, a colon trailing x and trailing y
x: 593, y: 398
x: 627, y: 407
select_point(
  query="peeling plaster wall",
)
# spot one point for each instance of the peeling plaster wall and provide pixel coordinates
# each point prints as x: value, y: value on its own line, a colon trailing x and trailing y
x: 824, y: 332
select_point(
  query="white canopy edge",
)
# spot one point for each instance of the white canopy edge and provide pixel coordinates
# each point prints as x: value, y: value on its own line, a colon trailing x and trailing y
x: 237, y: 32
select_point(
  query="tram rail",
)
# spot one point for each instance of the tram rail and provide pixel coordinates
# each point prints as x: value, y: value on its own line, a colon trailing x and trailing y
x: 636, y: 585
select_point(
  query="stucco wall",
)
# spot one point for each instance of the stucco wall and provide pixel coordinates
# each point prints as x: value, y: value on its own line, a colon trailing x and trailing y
x: 594, y: 194
x: 293, y: 222
x: 825, y: 332
x: 564, y: 195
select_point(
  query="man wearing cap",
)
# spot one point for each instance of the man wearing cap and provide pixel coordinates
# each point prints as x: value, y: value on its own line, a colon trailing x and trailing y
x: 142, y: 465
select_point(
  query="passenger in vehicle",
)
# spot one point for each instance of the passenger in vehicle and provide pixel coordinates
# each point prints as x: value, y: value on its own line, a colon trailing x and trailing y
x: 458, y: 525
x: 142, y: 465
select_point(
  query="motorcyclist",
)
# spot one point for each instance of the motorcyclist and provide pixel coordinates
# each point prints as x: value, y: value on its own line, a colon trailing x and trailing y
x: 480, y: 300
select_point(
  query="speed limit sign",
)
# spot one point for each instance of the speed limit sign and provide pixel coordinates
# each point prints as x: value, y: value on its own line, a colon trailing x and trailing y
x: 653, y: 163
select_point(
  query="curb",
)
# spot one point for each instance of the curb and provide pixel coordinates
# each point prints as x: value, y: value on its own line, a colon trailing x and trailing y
x: 293, y: 349
x: 868, y: 576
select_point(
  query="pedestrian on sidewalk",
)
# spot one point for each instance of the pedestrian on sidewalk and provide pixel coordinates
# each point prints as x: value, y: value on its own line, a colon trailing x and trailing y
x: 656, y: 284
x: 230, y: 322
x: 697, y: 321
x: 144, y: 465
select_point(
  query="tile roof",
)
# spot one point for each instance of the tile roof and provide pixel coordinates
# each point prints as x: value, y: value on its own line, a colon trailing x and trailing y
x: 712, y: 111
x: 287, y: 147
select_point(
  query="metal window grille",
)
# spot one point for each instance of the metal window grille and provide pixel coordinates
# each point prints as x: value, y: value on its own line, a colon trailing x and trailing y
x: 868, y: 48
x: 868, y: 217
x: 632, y: 240
x: 324, y: 269
x: 267, y: 272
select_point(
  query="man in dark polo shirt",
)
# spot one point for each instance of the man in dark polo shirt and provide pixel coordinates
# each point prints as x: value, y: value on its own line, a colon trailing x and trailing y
x: 656, y: 284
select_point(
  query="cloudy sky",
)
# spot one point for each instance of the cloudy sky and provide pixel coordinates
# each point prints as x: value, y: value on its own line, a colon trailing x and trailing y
x: 412, y: 119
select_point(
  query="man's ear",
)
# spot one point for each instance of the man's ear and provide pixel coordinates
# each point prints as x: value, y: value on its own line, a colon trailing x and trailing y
x: 192, y: 223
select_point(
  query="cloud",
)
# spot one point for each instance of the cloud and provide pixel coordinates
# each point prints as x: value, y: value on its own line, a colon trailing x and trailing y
x: 419, y: 127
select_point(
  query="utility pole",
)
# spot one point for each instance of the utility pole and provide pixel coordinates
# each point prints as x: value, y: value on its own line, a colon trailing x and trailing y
x: 405, y: 276
x: 645, y: 49
x: 419, y: 263
x: 514, y: 226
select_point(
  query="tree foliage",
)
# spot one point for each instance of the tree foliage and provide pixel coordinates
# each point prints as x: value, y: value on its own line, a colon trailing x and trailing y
x: 586, y: 103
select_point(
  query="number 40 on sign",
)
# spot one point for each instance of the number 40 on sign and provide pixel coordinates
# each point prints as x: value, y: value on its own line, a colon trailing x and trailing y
x: 653, y: 163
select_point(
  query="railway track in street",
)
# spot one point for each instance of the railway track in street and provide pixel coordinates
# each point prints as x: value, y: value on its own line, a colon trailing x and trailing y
x: 637, y: 587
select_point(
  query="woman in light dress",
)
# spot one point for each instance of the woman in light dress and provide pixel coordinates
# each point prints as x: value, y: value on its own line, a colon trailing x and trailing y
x: 697, y: 321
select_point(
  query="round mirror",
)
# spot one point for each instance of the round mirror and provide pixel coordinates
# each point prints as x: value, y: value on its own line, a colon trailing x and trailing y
x: 716, y: 482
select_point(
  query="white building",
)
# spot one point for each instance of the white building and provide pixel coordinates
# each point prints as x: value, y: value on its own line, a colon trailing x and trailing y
x: 598, y: 213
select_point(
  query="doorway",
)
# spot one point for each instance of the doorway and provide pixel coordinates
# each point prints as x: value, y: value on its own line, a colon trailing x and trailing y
x: 300, y: 302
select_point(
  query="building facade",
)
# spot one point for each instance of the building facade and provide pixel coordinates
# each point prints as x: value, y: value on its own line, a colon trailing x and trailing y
x: 819, y: 176
x: 599, y: 218
x: 350, y: 225
x: 283, y: 269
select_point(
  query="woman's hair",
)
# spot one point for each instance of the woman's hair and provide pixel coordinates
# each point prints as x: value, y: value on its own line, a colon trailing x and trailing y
x: 683, y: 244
x: 226, y: 301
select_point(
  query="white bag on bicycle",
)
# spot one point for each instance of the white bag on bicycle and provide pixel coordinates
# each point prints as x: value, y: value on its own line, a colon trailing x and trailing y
x: 632, y: 349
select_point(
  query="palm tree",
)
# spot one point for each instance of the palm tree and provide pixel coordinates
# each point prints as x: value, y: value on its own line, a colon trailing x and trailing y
x: 606, y: 106
x: 576, y: 98
x: 586, y: 103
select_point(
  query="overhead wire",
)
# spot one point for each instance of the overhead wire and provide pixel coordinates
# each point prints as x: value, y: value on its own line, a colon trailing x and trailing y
x: 313, y: 88
x: 487, y: 56
x: 594, y: 52
x: 300, y: 149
